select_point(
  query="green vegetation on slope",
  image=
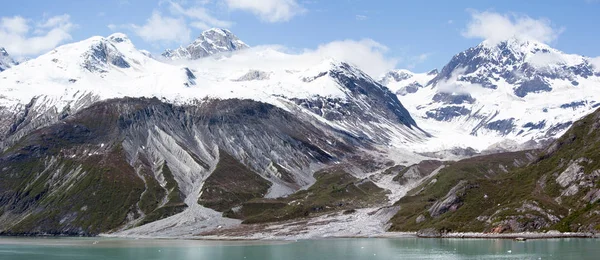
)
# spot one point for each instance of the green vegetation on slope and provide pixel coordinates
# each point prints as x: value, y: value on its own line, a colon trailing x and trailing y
x: 559, y: 189
x: 174, y: 200
x: 334, y: 190
x: 73, y: 178
x: 88, y: 197
x: 231, y: 184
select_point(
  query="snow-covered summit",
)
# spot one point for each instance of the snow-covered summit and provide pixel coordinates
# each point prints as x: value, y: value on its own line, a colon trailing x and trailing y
x: 403, y: 81
x: 507, y: 94
x: 210, y: 42
x: 74, y: 76
x: 5, y: 60
x: 527, y: 65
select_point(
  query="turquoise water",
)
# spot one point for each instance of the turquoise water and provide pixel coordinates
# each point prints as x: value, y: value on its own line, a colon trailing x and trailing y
x: 330, y: 249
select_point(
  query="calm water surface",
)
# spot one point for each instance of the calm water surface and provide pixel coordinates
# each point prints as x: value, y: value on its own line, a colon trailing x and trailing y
x: 330, y: 249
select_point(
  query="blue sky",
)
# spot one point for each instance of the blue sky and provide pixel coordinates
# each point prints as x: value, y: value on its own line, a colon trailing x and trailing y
x: 419, y: 35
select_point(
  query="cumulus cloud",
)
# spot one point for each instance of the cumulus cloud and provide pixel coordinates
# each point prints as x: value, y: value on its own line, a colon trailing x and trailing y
x: 454, y: 85
x: 268, y: 10
x: 596, y: 63
x: 159, y: 28
x: 24, y: 37
x: 200, y: 16
x: 495, y: 27
x: 368, y: 55
x: 172, y: 22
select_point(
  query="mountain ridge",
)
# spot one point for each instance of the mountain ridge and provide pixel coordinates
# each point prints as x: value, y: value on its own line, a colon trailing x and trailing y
x: 511, y: 95
x: 210, y: 42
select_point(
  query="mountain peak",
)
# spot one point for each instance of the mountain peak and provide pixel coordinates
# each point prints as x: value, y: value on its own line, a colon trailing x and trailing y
x: 220, y: 31
x: 529, y: 65
x: 210, y: 42
x: 516, y: 45
x: 119, y: 37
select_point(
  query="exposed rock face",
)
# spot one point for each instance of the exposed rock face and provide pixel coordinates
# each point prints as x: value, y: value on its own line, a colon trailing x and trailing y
x: 420, y: 219
x: 417, y: 172
x: 429, y: 233
x: 573, y: 173
x: 451, y: 202
x: 103, y: 53
x: 254, y: 75
x: 210, y: 42
x: 5, y: 60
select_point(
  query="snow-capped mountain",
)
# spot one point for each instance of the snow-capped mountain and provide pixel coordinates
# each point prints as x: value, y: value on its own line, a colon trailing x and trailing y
x: 507, y: 95
x: 103, y: 68
x: 403, y: 82
x: 5, y: 60
x: 100, y: 108
x: 210, y: 42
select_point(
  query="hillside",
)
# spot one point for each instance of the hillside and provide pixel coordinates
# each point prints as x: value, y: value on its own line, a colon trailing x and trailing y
x: 552, y: 189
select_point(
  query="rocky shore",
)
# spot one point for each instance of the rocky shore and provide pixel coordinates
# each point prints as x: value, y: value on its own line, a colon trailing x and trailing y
x: 431, y: 233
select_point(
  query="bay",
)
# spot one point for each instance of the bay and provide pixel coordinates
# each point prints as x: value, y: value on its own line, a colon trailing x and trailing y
x: 331, y: 249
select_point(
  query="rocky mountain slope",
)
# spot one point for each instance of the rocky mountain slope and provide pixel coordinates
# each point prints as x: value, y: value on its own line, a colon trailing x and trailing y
x: 210, y: 42
x: 552, y: 189
x: 5, y: 60
x: 511, y: 95
x: 97, y: 122
x: 99, y: 137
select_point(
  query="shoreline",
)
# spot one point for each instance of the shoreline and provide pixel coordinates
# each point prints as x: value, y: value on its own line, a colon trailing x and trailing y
x: 480, y: 235
x: 522, y: 235
x: 390, y: 235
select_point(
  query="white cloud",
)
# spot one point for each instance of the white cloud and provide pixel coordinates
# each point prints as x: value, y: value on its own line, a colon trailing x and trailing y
x: 174, y: 27
x: 16, y: 24
x: 454, y: 85
x: 22, y: 37
x: 360, y: 17
x: 495, y: 27
x: 200, y: 16
x: 596, y: 63
x: 367, y: 55
x: 268, y: 10
x: 55, y: 21
x: 159, y: 28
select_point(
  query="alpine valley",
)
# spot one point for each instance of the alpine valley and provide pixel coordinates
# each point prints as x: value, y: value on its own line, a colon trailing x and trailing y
x: 218, y: 139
